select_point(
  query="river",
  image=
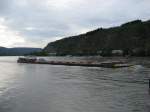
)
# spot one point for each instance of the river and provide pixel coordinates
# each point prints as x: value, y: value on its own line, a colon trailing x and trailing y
x: 54, y: 88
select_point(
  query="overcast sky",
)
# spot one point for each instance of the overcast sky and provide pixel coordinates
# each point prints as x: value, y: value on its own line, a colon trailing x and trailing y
x: 34, y: 23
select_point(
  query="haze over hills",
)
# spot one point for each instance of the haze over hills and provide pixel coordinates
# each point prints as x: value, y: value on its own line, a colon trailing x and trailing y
x: 17, y: 51
x: 133, y: 38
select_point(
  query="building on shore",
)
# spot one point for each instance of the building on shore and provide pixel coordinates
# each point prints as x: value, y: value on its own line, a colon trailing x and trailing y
x: 117, y: 52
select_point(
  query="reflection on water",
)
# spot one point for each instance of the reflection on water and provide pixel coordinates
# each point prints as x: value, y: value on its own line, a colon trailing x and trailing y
x: 47, y: 88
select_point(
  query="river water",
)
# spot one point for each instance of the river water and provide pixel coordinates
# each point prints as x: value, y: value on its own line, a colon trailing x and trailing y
x: 52, y: 88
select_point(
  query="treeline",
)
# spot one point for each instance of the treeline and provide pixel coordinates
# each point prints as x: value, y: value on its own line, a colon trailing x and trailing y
x: 18, y: 51
x: 39, y: 53
x: 133, y: 38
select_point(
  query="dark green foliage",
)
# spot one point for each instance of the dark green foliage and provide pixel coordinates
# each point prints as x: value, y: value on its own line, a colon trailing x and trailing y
x: 133, y: 38
x: 17, y: 51
x: 41, y: 53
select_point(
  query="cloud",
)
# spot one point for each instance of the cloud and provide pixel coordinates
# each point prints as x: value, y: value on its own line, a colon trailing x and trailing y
x: 38, y: 22
x: 7, y: 36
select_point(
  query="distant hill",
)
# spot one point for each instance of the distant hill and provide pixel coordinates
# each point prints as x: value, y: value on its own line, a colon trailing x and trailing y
x: 18, y: 51
x: 133, y: 38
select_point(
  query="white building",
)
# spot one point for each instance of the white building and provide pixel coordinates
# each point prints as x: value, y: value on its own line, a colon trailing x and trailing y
x: 117, y: 52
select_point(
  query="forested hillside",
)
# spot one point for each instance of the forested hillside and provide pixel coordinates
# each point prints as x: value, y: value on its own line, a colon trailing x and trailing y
x: 133, y: 38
